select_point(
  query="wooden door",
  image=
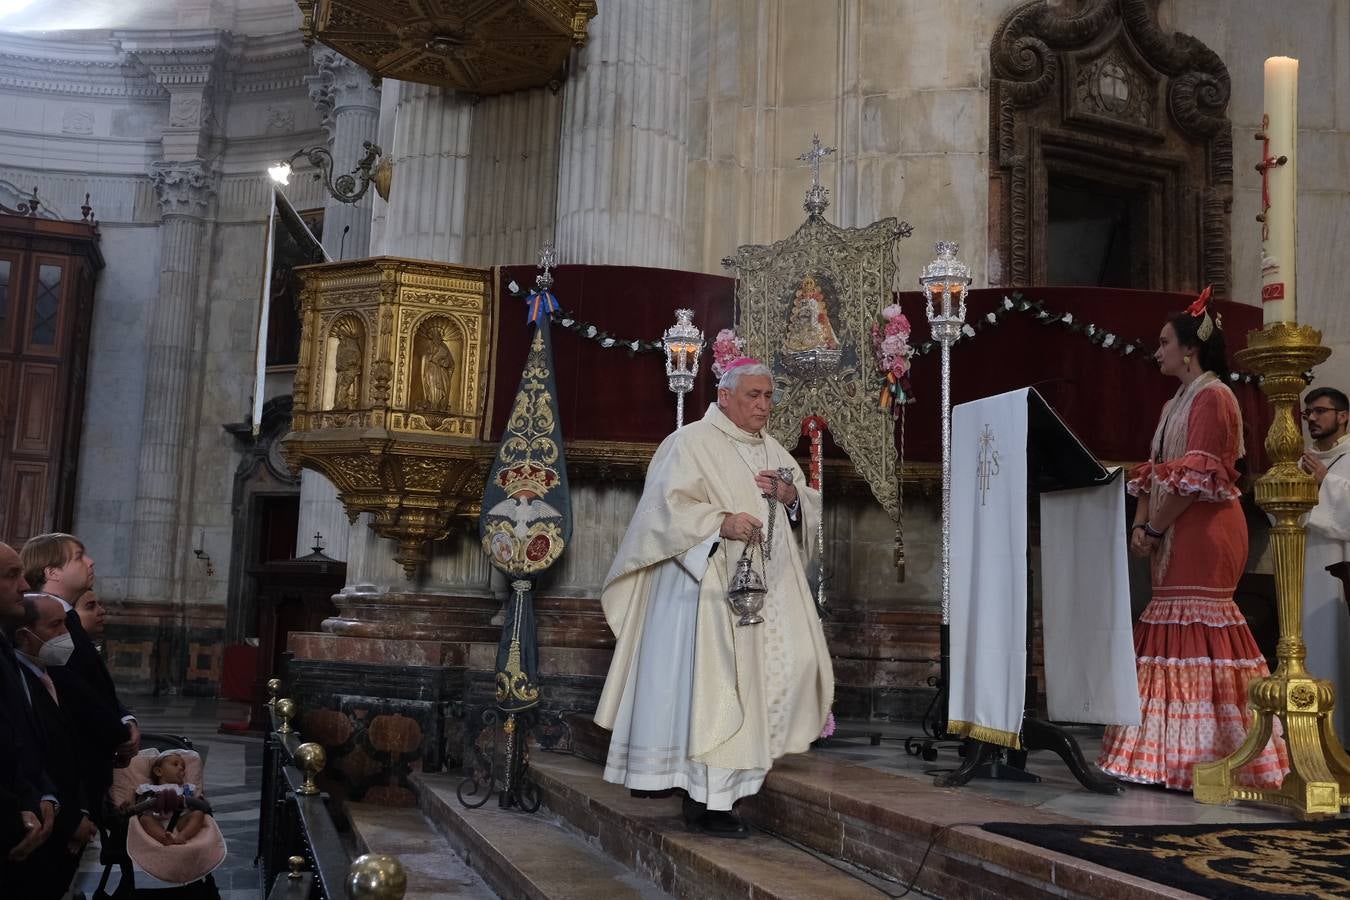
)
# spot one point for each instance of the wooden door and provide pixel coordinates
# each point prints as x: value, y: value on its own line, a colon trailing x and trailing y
x: 46, y: 298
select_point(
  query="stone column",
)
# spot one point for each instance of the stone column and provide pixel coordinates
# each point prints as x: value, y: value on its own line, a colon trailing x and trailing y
x: 430, y: 149
x: 185, y: 190
x: 513, y: 166
x: 625, y: 154
x: 349, y: 102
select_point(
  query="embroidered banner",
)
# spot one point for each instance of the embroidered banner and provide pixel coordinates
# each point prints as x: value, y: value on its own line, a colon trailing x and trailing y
x: 527, y: 514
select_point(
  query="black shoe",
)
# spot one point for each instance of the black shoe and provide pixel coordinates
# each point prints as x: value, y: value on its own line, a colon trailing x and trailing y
x: 712, y: 822
x: 651, y: 795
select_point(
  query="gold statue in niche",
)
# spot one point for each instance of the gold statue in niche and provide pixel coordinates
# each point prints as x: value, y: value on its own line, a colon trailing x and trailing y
x: 809, y: 325
x: 345, y: 340
x: 435, y: 369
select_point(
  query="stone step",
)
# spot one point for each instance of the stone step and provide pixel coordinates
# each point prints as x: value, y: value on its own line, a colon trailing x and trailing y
x: 649, y: 836
x: 877, y: 826
x: 434, y: 870
x: 526, y: 855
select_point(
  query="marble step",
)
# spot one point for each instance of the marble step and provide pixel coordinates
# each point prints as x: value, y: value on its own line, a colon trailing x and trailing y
x: 434, y: 870
x: 649, y: 836
x: 524, y: 855
x: 876, y: 826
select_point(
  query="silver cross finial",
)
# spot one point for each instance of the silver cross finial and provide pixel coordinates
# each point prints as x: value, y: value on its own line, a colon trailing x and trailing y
x: 548, y: 258
x: 815, y: 156
x: 817, y: 196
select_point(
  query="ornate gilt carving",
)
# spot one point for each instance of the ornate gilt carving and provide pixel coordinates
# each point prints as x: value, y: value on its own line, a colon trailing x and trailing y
x: 390, y: 393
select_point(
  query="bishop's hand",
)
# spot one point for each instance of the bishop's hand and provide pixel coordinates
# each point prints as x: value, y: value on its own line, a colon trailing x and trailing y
x: 768, y: 481
x: 740, y: 527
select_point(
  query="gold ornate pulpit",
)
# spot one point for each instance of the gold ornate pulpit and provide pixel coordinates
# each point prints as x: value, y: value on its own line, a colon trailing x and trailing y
x: 391, y: 393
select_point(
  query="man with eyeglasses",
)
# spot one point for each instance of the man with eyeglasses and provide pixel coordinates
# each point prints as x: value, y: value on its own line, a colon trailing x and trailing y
x: 1326, y: 622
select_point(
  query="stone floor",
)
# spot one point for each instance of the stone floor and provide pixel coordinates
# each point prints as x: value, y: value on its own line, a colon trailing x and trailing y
x: 233, y: 785
x: 1057, y: 792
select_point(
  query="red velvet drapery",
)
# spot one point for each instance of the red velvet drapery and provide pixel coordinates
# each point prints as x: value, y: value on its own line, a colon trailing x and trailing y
x: 1111, y: 402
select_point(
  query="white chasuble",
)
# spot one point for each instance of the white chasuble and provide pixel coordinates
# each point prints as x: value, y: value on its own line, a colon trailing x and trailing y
x: 989, y: 568
x: 694, y: 700
x: 1326, y: 622
x: 1090, y: 673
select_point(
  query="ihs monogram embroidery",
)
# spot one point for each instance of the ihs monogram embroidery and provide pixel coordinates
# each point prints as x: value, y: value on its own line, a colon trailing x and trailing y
x: 988, y: 466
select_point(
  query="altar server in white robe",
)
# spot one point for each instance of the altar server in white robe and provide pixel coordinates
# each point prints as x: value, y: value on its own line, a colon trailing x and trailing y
x: 1326, y: 622
x: 696, y: 701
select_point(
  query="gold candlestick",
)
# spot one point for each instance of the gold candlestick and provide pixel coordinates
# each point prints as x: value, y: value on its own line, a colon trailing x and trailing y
x: 1318, y: 783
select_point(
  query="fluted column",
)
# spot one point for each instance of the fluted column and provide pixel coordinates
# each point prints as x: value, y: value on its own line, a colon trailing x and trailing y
x: 513, y: 166
x: 349, y: 102
x: 430, y: 149
x: 185, y: 190
x: 624, y: 156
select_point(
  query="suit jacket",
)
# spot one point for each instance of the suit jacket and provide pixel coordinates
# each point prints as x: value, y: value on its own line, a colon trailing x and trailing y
x: 61, y: 741
x: 86, y: 663
x: 17, y: 718
x: 15, y: 795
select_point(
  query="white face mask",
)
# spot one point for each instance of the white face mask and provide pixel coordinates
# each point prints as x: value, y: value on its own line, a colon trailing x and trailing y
x: 57, y: 651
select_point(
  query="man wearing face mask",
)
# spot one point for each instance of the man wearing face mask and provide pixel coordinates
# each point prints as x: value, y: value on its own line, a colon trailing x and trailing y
x: 44, y: 644
x: 57, y: 566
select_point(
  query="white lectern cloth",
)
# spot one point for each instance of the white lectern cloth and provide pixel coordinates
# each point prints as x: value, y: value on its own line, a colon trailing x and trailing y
x: 989, y: 568
x: 1089, y: 647
x: 1090, y: 671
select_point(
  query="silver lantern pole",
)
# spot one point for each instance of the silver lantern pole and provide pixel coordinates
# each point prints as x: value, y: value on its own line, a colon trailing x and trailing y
x: 683, y: 343
x: 941, y: 278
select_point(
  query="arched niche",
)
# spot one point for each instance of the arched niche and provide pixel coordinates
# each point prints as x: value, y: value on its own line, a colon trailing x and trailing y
x: 1092, y: 106
x: 436, y: 383
x: 344, y: 363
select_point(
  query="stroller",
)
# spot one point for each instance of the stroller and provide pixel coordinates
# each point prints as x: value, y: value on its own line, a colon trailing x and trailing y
x: 126, y: 845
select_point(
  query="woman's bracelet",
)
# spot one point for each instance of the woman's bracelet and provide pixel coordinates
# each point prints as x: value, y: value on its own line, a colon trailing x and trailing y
x: 1152, y: 532
x: 1137, y: 527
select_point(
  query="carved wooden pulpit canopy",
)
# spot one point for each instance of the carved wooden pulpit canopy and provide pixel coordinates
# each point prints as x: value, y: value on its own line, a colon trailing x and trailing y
x: 479, y: 47
x: 391, y: 392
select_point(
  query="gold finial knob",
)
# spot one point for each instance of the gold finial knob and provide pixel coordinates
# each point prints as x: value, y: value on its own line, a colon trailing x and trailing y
x: 273, y: 688
x: 376, y: 876
x: 296, y: 863
x: 311, y: 759
x: 286, y: 712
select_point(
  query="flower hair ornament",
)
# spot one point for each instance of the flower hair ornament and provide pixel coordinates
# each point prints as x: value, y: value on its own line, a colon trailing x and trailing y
x: 1200, y: 310
x: 726, y: 348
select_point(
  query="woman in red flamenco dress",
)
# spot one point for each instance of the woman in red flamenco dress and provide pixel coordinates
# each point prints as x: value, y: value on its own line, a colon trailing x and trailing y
x: 1194, y: 652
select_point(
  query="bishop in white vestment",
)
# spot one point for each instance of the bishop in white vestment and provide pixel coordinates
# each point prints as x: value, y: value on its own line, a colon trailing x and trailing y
x: 1326, y: 621
x: 694, y: 700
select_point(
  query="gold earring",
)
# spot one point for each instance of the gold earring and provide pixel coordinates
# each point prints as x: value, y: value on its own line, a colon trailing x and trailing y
x: 1186, y: 360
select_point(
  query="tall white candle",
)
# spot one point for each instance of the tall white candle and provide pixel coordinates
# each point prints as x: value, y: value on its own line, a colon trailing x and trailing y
x: 1279, y: 189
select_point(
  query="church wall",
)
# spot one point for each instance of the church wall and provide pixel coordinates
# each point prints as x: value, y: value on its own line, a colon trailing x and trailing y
x: 1244, y: 33
x: 905, y: 102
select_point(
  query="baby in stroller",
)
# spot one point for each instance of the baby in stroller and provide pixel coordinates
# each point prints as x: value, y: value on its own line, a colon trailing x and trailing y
x: 172, y: 818
x: 160, y: 822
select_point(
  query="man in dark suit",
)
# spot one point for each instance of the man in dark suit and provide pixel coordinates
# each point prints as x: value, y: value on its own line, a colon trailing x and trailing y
x: 57, y: 566
x: 28, y: 801
x: 43, y: 642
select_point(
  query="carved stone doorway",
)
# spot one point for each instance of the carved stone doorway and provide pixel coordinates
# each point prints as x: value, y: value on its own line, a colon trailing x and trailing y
x: 1092, y: 97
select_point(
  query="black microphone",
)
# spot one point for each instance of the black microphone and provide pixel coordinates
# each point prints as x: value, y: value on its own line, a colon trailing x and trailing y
x: 342, y: 244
